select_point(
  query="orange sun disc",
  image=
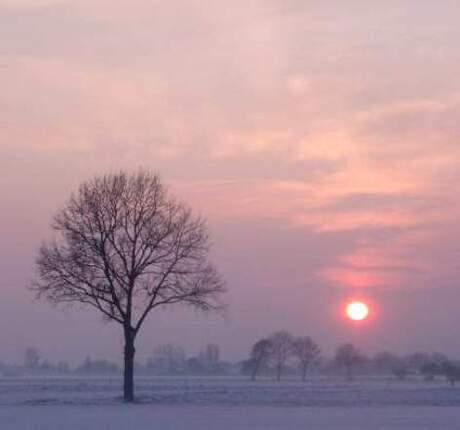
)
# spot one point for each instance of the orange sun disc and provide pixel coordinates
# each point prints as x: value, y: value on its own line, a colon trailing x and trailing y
x: 357, y: 311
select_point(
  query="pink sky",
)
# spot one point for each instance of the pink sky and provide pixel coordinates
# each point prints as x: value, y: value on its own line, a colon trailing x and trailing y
x: 319, y: 139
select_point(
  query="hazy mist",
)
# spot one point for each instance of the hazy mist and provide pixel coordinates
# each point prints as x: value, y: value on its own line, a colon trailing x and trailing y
x: 320, y: 139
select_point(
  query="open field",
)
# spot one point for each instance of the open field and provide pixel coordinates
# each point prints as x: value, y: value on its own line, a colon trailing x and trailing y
x: 227, y: 403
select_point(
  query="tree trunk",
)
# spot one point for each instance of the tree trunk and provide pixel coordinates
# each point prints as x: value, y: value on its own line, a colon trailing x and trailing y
x: 254, y: 372
x: 349, y: 373
x: 278, y: 372
x: 304, y: 373
x: 128, y: 374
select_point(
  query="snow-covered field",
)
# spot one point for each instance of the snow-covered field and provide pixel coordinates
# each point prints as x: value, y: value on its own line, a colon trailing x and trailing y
x: 227, y: 403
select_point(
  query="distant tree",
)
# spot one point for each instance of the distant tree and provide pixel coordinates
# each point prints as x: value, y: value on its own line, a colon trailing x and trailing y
x: 281, y: 350
x: 210, y: 358
x: 388, y: 363
x: 417, y: 360
x: 194, y: 366
x: 428, y: 365
x: 400, y: 369
x: 259, y: 357
x: 307, y: 352
x: 439, y: 360
x: 31, y: 358
x: 125, y: 247
x: 451, y: 371
x: 97, y: 367
x: 348, y: 357
x: 167, y: 359
x: 429, y: 370
x: 47, y: 367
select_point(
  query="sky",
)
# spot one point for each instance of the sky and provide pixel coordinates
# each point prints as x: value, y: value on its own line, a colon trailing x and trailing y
x: 320, y: 140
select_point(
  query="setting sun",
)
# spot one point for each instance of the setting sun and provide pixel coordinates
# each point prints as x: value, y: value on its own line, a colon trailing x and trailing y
x: 357, y: 311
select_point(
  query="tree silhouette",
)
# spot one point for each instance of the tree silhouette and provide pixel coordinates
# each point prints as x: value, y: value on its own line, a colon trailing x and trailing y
x: 280, y: 351
x: 125, y: 247
x: 307, y: 352
x: 348, y: 356
x: 259, y: 357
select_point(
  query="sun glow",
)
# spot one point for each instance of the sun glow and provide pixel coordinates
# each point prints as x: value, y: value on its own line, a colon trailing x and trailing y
x: 357, y: 311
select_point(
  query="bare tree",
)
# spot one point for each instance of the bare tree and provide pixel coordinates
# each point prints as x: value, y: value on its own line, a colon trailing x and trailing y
x: 260, y: 355
x: 281, y: 350
x: 348, y: 356
x: 124, y: 246
x: 451, y: 370
x: 31, y: 358
x: 388, y: 363
x: 307, y: 352
x: 209, y: 358
x: 400, y: 369
x: 167, y: 359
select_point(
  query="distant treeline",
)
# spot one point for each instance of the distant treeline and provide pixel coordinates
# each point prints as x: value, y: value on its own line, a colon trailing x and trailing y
x: 275, y: 356
x: 165, y: 360
x: 284, y: 354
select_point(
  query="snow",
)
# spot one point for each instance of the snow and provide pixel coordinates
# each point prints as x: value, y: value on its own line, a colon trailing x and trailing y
x: 239, y: 418
x: 227, y: 403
